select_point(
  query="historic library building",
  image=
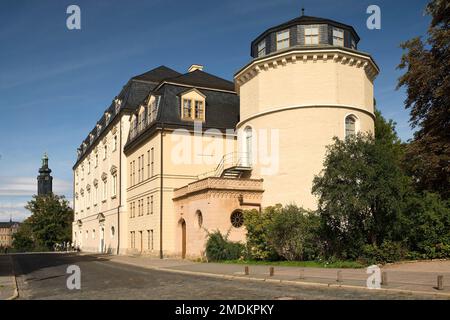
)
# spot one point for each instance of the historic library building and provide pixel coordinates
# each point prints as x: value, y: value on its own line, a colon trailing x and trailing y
x: 178, y: 155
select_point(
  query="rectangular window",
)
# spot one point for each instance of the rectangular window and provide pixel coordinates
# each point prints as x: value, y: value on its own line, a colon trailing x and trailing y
x: 139, y: 169
x: 148, y: 205
x: 338, y: 37
x: 114, y: 185
x: 96, y: 160
x: 105, y: 189
x: 150, y: 239
x: 142, y: 167
x: 134, y: 173
x: 353, y: 44
x: 151, y: 204
x: 148, y: 164
x: 283, y: 39
x: 262, y: 48
x: 199, y: 110
x: 187, y: 112
x: 311, y: 35
x: 115, y: 143
x: 105, y: 152
x: 152, y: 163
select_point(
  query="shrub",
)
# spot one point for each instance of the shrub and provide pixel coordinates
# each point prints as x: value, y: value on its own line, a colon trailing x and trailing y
x: 388, y: 252
x: 258, y: 240
x: 219, y: 248
x: 294, y: 234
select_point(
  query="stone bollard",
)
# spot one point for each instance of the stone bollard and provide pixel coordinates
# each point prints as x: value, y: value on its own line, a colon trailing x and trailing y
x: 384, y: 279
x: 339, y: 276
x: 302, y: 274
x: 246, y: 271
x: 271, y: 271
x: 440, y: 282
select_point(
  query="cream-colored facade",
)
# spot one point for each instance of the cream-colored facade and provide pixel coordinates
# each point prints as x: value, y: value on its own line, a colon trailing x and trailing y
x: 305, y: 96
x: 176, y: 181
x: 100, y: 206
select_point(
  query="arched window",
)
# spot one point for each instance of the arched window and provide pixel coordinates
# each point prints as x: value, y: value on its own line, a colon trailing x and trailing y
x: 113, y: 231
x: 237, y: 219
x: 350, y: 126
x: 248, y: 152
x: 199, y: 216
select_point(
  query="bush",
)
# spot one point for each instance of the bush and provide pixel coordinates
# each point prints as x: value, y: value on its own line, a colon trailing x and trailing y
x: 294, y: 234
x: 388, y: 252
x: 258, y: 239
x: 219, y: 248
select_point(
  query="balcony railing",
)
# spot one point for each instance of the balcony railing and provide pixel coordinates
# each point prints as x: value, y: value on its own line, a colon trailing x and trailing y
x: 230, y: 160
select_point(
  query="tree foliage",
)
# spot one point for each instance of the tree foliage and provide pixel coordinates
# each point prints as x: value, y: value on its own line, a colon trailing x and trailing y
x: 427, y: 83
x: 50, y: 223
x: 361, y: 190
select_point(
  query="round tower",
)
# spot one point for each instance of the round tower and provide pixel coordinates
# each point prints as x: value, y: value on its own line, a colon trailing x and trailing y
x: 307, y: 83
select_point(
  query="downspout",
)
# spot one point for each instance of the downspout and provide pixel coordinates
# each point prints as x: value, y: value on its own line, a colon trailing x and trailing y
x: 161, y: 255
x: 120, y: 187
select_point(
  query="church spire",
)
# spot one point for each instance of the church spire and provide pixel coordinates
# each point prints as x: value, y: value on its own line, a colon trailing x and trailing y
x: 45, y: 180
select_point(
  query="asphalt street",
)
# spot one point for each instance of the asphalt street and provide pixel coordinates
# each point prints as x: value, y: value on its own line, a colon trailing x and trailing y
x: 44, y: 276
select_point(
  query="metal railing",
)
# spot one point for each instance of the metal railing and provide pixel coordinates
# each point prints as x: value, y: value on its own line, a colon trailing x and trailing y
x: 233, y: 159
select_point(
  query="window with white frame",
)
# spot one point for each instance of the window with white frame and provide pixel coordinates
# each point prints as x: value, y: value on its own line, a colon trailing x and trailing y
x: 283, y: 39
x: 105, y: 189
x: 114, y: 185
x: 105, y: 152
x: 187, y: 111
x: 311, y: 35
x: 338, y: 37
x: 199, y: 110
x: 115, y: 143
x: 350, y: 126
x: 262, y: 48
x: 150, y: 239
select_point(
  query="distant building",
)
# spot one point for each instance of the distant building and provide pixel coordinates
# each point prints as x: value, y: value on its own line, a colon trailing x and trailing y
x: 45, y: 180
x: 7, y: 229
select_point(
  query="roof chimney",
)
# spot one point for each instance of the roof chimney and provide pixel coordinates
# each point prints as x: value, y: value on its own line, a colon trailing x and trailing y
x: 195, y: 67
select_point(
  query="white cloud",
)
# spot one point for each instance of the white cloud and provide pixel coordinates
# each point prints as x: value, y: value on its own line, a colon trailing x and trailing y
x: 27, y: 186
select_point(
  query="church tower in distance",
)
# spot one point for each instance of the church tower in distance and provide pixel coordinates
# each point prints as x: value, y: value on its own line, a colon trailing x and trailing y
x: 45, y: 180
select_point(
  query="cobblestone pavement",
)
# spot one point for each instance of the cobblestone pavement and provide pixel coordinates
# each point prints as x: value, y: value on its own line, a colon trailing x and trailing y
x: 6, y: 278
x: 43, y: 276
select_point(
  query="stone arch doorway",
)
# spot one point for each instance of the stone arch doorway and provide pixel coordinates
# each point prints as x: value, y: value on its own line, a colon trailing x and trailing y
x: 182, y: 224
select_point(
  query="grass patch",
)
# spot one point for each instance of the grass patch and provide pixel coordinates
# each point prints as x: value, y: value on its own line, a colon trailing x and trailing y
x: 304, y: 264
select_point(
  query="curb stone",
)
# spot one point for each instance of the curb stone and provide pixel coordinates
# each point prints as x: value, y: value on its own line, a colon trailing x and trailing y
x: 291, y: 282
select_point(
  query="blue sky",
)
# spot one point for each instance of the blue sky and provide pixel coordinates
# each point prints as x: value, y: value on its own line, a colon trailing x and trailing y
x: 56, y: 83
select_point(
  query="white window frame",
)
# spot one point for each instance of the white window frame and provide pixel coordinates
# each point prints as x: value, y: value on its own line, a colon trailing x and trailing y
x: 312, y: 35
x: 261, y: 47
x: 338, y: 37
x: 282, y: 39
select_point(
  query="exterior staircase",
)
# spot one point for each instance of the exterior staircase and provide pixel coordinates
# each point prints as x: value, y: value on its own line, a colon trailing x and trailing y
x: 232, y: 166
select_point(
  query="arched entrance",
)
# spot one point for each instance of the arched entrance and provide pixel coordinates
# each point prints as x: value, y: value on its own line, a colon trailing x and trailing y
x: 182, y: 225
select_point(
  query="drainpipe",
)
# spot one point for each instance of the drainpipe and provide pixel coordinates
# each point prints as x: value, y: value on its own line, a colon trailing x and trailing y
x: 120, y: 187
x: 161, y: 255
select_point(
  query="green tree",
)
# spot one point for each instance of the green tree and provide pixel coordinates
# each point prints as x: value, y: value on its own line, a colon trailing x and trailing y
x: 427, y: 83
x: 50, y: 221
x: 361, y: 191
x: 23, y: 238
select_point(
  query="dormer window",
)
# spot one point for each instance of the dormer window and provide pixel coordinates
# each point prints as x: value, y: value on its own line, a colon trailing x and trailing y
x: 353, y: 44
x: 311, y: 35
x: 338, y: 37
x: 262, y: 48
x: 193, y: 105
x: 187, y: 108
x: 283, y: 39
x: 199, y: 110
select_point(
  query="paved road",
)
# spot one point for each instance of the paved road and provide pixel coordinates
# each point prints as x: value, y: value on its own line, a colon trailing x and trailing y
x: 43, y: 276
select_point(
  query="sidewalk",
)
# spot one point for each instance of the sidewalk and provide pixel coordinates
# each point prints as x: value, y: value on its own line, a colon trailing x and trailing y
x: 405, y: 278
x: 7, y: 279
